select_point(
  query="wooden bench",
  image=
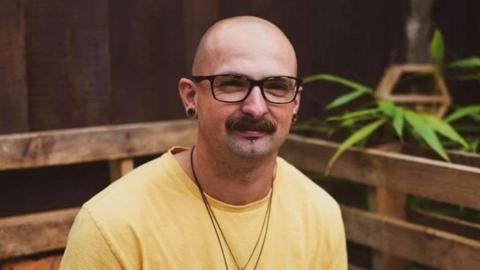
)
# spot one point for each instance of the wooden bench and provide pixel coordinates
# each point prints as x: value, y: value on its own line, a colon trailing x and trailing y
x: 27, y: 235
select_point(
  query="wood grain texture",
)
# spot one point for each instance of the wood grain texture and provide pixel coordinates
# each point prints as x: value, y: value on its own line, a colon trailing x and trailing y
x: 147, y: 52
x: 13, y: 70
x: 437, y: 180
x: 51, y: 262
x: 445, y: 223
x: 388, y: 203
x: 342, y: 36
x: 415, y: 242
x: 119, y: 168
x: 194, y: 26
x: 299, y: 29
x: 34, y: 233
x: 47, y: 148
x: 68, y: 63
x: 353, y: 267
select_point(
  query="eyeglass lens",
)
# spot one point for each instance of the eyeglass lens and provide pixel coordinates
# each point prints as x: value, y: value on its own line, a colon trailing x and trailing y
x: 232, y: 88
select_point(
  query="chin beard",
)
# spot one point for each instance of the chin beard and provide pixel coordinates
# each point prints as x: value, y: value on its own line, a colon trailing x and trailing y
x: 255, y: 148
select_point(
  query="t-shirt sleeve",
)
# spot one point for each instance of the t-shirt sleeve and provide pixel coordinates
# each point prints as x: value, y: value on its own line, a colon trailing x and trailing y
x: 87, y: 247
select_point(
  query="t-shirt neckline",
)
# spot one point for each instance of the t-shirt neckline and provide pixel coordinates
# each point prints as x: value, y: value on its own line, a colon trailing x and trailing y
x: 188, y: 183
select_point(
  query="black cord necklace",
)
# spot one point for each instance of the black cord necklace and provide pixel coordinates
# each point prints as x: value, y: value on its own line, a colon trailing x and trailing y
x: 217, y: 227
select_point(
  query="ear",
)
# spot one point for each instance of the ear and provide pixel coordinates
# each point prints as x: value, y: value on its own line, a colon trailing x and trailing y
x: 188, y: 92
x: 296, y: 102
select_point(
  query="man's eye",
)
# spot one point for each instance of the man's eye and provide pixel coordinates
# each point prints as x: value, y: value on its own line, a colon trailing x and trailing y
x: 277, y: 85
x: 232, y: 83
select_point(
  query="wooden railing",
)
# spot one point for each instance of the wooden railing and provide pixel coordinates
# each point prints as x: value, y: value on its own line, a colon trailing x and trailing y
x: 32, y: 234
x: 398, y: 173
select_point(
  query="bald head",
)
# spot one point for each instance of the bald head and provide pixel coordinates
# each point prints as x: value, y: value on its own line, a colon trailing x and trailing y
x: 237, y: 35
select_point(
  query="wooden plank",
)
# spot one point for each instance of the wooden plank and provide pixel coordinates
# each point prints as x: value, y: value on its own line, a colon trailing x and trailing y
x: 49, y: 148
x: 406, y: 174
x: 353, y: 267
x: 34, y: 233
x: 445, y: 223
x: 390, y: 77
x: 69, y: 63
x: 147, y: 52
x: 119, y: 168
x: 417, y: 68
x: 417, y: 99
x: 228, y: 8
x: 290, y: 23
x: 195, y: 26
x: 51, y: 262
x: 388, y: 203
x: 13, y: 72
x: 414, y: 242
x: 457, y: 157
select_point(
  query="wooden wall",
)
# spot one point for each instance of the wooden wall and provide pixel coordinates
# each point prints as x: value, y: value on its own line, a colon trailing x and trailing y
x: 95, y: 62
x: 460, y: 25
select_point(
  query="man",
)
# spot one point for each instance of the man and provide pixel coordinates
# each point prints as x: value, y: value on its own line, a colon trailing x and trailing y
x: 229, y: 202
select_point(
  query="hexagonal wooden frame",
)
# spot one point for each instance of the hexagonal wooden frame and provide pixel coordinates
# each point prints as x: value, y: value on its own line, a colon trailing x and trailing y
x: 439, y: 101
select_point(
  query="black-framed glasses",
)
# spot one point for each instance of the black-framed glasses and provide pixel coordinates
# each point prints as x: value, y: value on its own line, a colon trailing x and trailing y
x: 232, y: 88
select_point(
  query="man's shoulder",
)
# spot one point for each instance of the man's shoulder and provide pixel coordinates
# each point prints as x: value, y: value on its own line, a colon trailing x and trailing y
x: 304, y: 189
x: 134, y: 192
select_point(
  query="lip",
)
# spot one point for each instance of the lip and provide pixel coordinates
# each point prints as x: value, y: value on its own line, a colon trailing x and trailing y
x: 251, y: 134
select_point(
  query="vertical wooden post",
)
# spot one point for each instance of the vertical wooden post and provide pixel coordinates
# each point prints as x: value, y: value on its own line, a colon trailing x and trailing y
x: 119, y: 168
x: 392, y: 204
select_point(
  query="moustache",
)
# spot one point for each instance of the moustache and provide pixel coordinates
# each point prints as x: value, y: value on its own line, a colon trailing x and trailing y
x: 245, y: 123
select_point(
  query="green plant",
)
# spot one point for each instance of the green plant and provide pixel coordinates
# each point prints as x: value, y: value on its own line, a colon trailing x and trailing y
x: 384, y: 116
x: 465, y: 119
x: 365, y: 121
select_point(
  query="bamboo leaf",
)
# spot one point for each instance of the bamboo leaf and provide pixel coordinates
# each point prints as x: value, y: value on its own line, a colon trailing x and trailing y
x: 463, y: 112
x: 353, y: 139
x: 474, y: 145
x: 336, y: 79
x: 437, y: 48
x: 469, y: 77
x: 475, y: 117
x: 398, y: 121
x: 420, y: 126
x: 445, y: 129
x: 472, y: 62
x: 393, y: 112
x: 355, y: 114
x: 359, y: 89
x: 387, y: 107
x: 344, y: 99
x: 347, y: 123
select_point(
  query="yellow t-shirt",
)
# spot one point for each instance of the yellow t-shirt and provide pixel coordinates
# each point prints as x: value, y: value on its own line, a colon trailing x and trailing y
x: 154, y: 218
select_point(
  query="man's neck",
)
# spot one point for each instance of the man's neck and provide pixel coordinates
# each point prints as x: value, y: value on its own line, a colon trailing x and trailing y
x: 232, y: 181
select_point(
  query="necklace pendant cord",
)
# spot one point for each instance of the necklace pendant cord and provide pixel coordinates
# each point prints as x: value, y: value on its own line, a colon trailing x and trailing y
x: 217, y: 227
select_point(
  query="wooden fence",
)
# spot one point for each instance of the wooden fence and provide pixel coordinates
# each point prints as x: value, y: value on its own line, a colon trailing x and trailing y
x: 394, y: 174
x: 81, y: 63
x: 46, y: 232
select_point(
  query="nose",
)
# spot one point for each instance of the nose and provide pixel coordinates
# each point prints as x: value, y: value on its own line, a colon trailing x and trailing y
x: 255, y: 105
